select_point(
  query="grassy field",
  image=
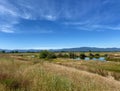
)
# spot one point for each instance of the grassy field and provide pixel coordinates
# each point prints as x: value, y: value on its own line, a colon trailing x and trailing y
x: 23, y: 72
x: 107, y: 69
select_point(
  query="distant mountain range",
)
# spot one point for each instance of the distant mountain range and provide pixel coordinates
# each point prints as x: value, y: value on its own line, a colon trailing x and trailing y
x: 83, y: 49
x: 94, y: 49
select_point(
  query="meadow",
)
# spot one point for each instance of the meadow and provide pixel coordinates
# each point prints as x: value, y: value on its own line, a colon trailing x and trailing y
x: 27, y: 72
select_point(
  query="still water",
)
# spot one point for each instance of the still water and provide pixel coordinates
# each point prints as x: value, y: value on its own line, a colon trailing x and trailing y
x: 95, y: 59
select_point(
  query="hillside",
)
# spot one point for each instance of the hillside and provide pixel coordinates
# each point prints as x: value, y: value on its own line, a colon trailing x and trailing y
x: 91, y: 49
x: 85, y: 49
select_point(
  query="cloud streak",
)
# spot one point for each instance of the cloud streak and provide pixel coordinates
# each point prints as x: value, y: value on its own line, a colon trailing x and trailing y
x: 91, y: 26
x: 82, y: 14
x: 98, y: 28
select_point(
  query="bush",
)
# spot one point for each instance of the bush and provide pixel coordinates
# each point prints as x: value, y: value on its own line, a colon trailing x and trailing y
x: 82, y: 56
x: 97, y: 55
x: 44, y: 54
x: 2, y: 51
x: 47, y: 55
x: 91, y: 55
x: 72, y: 55
x: 51, y: 55
x: 63, y: 55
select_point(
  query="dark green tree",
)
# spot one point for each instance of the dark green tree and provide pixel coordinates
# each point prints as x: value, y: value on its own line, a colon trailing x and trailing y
x: 51, y: 55
x: 91, y: 55
x: 65, y: 55
x: 47, y: 55
x: 16, y: 51
x: 82, y: 56
x: 90, y: 51
x: 105, y: 55
x: 44, y: 54
x: 97, y: 55
x: 3, y: 51
x: 72, y: 55
x: 12, y: 52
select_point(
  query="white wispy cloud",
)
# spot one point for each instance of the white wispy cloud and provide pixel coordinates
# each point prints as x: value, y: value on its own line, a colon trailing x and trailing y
x: 5, y: 10
x: 38, y: 31
x: 7, y: 29
x: 76, y: 23
x: 108, y: 27
x: 90, y: 25
x: 50, y: 17
x: 88, y: 15
x: 98, y: 28
x: 24, y: 10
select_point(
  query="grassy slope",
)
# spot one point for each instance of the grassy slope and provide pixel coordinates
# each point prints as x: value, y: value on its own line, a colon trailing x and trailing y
x: 84, y: 81
x: 102, y: 68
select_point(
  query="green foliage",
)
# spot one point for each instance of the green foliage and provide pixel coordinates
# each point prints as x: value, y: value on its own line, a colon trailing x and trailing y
x: 14, y: 51
x: 91, y: 55
x: 47, y: 55
x: 63, y: 55
x: 97, y: 55
x: 3, y: 51
x: 51, y: 55
x: 82, y: 56
x: 90, y: 51
x: 72, y: 55
x: 105, y: 55
x: 60, y: 55
x: 44, y: 54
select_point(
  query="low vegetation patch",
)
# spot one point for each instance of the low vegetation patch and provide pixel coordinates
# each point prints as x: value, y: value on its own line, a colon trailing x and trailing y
x: 101, y: 68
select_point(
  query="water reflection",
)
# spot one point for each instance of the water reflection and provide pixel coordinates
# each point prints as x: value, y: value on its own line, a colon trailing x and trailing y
x: 95, y: 59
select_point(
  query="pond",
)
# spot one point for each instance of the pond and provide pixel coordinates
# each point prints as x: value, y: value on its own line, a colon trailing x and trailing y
x: 95, y: 59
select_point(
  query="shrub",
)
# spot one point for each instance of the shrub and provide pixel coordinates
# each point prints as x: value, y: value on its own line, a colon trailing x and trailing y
x: 43, y: 54
x: 97, y: 55
x: 47, y: 55
x: 51, y: 55
x: 3, y: 51
x: 61, y: 55
x: 72, y: 55
x: 91, y: 55
x: 82, y: 56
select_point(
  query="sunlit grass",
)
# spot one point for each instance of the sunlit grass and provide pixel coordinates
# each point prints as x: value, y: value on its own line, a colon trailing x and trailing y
x: 18, y: 75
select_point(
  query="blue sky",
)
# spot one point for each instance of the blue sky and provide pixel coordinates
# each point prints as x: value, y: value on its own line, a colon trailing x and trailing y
x: 52, y: 24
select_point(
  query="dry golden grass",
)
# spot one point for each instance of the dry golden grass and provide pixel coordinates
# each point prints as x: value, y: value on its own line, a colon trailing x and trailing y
x: 102, y: 68
x: 84, y: 81
x: 18, y: 75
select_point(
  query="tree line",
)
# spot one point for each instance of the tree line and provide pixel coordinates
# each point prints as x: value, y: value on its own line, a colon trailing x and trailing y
x: 72, y: 55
